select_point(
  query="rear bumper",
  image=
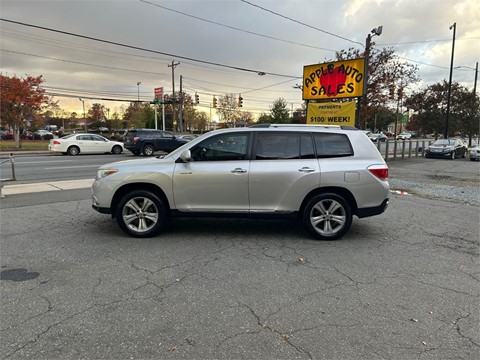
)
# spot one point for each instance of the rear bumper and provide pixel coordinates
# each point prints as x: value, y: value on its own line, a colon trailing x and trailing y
x: 372, y: 211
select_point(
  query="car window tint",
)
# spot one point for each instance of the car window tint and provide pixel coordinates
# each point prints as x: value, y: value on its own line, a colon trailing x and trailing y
x: 168, y: 135
x: 307, y: 151
x: 221, y: 148
x: 277, y: 146
x: 97, y: 138
x: 332, y: 145
x: 84, y: 137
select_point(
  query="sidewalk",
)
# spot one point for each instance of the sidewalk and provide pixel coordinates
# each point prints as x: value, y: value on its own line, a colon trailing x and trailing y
x: 6, y: 154
x: 10, y: 188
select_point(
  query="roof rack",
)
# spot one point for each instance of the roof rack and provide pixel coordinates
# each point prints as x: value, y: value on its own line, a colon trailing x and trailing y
x: 296, y: 125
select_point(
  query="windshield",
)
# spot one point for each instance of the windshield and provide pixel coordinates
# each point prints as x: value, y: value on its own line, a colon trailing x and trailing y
x: 444, y: 142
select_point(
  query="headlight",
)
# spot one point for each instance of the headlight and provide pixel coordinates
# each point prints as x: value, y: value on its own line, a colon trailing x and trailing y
x: 105, y: 172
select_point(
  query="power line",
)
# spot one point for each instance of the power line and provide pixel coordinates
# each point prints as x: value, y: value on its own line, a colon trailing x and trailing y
x: 425, y: 41
x: 235, y: 28
x: 259, y: 72
x: 81, y: 63
x: 301, y: 23
x: 91, y: 49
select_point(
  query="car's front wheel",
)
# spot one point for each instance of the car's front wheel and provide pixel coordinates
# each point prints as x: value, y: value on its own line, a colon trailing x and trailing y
x: 117, y: 150
x: 453, y: 155
x: 141, y: 214
x: 327, y: 216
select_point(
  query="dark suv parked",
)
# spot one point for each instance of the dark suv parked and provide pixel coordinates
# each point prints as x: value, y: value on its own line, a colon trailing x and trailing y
x: 147, y: 141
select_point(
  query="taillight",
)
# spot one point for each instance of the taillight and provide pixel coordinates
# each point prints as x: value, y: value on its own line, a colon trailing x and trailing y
x: 56, y: 142
x: 135, y: 139
x: 380, y: 171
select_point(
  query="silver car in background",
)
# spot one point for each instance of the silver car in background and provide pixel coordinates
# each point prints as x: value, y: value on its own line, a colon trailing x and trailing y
x: 323, y: 175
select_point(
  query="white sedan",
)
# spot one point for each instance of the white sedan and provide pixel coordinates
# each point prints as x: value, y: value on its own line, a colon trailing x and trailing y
x: 404, y: 136
x: 86, y: 144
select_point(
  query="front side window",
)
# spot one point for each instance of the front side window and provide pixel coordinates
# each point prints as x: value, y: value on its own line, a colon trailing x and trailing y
x: 221, y: 148
x: 332, y: 145
x: 98, y: 138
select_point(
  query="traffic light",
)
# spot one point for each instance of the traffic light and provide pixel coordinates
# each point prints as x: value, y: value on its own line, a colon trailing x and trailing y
x: 197, y: 99
x: 214, y: 102
x: 240, y: 101
x: 392, y: 91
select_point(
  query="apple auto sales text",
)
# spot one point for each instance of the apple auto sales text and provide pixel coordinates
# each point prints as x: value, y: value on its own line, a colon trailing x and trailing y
x: 353, y: 76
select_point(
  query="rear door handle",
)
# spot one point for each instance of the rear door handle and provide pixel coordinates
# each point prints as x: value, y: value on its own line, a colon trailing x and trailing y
x: 239, y: 171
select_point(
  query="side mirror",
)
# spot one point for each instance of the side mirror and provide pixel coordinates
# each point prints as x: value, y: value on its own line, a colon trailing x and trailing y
x: 186, y: 156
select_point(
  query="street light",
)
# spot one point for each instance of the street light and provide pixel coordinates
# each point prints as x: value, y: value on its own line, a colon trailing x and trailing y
x: 138, y: 85
x: 445, y: 131
x: 84, y: 119
x: 375, y: 32
x: 474, y: 88
x: 476, y: 75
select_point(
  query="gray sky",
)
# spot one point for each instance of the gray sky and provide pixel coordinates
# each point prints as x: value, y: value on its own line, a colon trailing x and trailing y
x: 233, y: 33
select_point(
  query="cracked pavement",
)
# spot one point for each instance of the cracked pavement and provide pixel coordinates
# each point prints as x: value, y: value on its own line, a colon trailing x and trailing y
x: 402, y: 285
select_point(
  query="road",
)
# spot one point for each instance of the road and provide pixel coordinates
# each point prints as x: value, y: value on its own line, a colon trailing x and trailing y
x: 47, y: 167
x: 401, y: 285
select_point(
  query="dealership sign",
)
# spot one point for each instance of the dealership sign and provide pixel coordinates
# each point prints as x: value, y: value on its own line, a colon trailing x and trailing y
x: 333, y: 80
x: 158, y: 95
x: 331, y: 113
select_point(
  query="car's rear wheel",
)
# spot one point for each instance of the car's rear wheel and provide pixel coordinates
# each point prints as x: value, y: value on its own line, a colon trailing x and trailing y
x: 148, y: 150
x: 117, y: 150
x: 73, y: 150
x: 141, y: 214
x: 327, y: 216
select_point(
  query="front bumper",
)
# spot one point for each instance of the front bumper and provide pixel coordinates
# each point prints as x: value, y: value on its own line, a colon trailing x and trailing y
x: 438, y: 154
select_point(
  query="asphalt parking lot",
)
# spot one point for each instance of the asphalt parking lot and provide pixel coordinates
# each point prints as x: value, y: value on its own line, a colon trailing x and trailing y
x: 401, y: 285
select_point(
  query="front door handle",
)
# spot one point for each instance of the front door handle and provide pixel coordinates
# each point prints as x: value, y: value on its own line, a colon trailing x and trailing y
x: 239, y: 171
x: 306, y: 170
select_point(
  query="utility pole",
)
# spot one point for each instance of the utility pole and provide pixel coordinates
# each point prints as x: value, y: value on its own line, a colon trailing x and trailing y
x: 173, y: 66
x: 445, y: 131
x: 180, y: 111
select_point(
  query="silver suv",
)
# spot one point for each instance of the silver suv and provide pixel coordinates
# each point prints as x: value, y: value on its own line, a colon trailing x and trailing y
x: 321, y: 174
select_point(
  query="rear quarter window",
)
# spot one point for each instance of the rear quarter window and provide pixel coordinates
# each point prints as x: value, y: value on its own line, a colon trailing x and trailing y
x: 332, y: 145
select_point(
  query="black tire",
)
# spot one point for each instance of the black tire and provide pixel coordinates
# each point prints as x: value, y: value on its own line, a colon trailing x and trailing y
x: 327, y: 216
x: 117, y: 150
x: 148, y: 150
x: 141, y: 214
x: 453, y: 155
x: 73, y: 150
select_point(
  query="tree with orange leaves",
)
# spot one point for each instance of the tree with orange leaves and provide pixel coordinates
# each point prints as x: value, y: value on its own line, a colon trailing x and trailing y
x: 20, y: 98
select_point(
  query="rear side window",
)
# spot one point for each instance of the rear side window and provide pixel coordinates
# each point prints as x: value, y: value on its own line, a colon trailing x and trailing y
x: 332, y: 145
x: 168, y: 135
x: 284, y: 146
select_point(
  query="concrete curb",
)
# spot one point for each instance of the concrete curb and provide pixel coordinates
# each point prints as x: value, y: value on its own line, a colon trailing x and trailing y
x: 6, y: 154
x: 13, y: 189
